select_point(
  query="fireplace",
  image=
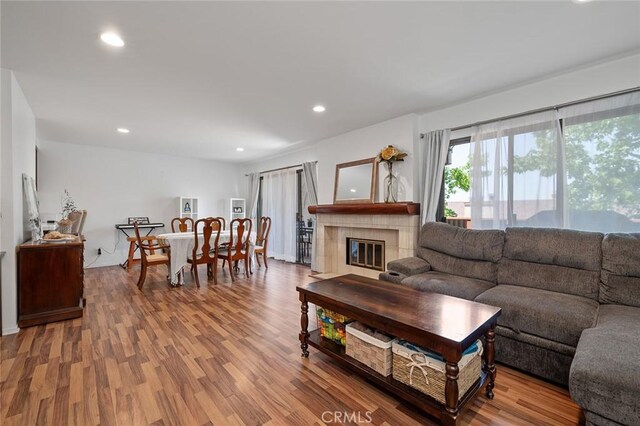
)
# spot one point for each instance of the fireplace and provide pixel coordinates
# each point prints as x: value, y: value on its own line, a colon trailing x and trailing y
x: 365, y: 253
x: 393, y: 226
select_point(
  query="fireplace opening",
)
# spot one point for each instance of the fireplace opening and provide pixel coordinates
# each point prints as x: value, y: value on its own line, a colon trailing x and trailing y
x: 365, y: 253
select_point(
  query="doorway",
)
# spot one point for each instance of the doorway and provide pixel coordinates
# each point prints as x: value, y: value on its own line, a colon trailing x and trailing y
x: 304, y: 223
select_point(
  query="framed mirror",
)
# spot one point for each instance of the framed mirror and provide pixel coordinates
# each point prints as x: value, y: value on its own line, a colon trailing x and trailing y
x: 356, y: 182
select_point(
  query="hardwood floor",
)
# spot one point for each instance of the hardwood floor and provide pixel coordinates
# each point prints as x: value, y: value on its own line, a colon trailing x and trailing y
x: 225, y: 354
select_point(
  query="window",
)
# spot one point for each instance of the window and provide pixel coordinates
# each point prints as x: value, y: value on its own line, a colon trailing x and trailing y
x: 577, y: 167
x: 457, y: 198
x: 603, y: 167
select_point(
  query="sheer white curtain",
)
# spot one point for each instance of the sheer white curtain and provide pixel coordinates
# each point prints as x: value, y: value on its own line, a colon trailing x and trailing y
x: 432, y: 153
x: 279, y: 202
x: 252, y: 202
x: 310, y: 175
x: 517, y: 173
x: 603, y: 163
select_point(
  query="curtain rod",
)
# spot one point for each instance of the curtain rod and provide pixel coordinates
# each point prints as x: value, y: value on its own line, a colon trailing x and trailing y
x: 282, y: 168
x: 534, y: 111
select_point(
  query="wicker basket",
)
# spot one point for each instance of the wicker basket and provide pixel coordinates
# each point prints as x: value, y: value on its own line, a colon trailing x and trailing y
x: 332, y: 325
x: 425, y: 371
x: 370, y: 347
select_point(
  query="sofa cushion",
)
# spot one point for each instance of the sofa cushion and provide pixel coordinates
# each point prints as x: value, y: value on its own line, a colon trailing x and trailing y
x: 459, y: 251
x: 605, y: 374
x: 555, y: 316
x: 441, y: 262
x: 451, y: 285
x: 620, y: 280
x: 558, y: 260
x: 579, y: 282
x: 462, y: 243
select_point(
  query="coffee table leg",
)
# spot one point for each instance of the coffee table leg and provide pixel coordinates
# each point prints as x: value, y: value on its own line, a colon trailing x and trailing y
x: 489, y: 360
x: 304, y: 324
x: 451, y: 390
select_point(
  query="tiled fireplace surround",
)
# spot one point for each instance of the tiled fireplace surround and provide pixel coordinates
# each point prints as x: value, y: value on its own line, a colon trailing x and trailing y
x: 399, y: 232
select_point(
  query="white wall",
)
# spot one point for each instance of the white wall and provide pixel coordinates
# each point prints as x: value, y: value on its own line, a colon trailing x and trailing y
x: 18, y: 157
x: 606, y: 77
x: 603, y: 78
x: 356, y: 145
x: 115, y: 184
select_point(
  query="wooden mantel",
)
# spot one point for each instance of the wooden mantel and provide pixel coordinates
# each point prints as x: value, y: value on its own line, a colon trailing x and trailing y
x: 407, y: 208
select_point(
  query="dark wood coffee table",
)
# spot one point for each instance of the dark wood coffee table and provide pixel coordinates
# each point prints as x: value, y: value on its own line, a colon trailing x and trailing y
x: 443, y: 324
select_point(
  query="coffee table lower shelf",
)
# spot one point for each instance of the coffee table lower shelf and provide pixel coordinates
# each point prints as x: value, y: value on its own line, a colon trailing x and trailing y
x: 409, y: 394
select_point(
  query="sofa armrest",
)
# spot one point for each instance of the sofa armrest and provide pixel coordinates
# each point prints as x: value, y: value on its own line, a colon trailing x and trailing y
x: 392, y: 277
x: 409, y: 266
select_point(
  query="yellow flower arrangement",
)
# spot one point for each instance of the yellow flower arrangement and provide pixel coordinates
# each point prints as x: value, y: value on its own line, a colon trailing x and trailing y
x: 390, y: 154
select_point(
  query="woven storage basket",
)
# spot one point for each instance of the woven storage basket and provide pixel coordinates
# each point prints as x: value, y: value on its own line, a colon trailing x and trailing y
x: 332, y: 325
x: 370, y: 347
x: 424, y: 371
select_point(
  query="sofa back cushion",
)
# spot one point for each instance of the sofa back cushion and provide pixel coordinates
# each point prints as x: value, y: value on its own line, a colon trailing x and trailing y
x: 620, y: 279
x: 459, y: 251
x: 559, y: 260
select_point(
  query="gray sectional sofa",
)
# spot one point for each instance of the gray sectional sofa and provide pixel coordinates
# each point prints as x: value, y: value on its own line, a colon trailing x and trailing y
x: 570, y: 304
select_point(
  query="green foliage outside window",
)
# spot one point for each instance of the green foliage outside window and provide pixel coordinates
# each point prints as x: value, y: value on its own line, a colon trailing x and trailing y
x: 455, y: 178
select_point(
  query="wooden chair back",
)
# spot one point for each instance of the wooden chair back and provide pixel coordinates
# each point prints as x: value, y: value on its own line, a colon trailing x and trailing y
x: 240, y: 230
x: 183, y: 224
x: 82, y: 221
x: 143, y: 252
x: 264, y: 226
x: 76, y: 218
x: 209, y: 227
x: 222, y: 224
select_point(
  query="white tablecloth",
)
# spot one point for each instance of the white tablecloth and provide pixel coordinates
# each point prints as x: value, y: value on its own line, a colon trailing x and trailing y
x: 181, y: 244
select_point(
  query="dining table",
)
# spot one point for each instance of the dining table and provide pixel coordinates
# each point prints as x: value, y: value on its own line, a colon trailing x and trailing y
x: 181, y: 245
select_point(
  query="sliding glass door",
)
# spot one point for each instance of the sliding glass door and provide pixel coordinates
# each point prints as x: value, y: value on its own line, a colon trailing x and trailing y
x: 304, y: 225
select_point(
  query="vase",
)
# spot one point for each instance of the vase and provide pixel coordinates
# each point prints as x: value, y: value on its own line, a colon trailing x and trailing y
x: 64, y: 226
x: 390, y: 186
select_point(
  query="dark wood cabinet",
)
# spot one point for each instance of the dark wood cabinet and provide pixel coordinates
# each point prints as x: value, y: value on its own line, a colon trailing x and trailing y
x: 50, y: 282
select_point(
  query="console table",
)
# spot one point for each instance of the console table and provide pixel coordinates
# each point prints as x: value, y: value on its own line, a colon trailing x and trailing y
x: 440, y: 323
x: 50, y: 281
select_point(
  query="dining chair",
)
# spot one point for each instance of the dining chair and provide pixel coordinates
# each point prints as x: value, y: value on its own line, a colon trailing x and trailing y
x: 82, y: 221
x: 151, y: 258
x: 262, y: 240
x: 223, y: 222
x: 76, y: 218
x: 184, y: 223
x: 238, y: 248
x: 207, y: 252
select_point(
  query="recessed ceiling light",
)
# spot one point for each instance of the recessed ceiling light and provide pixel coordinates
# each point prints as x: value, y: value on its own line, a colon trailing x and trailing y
x: 112, y: 39
x: 239, y: 149
x: 123, y: 130
x: 352, y: 190
x: 319, y: 108
x: 581, y: 1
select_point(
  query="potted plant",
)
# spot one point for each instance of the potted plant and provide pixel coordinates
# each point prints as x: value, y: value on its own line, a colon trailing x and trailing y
x: 68, y: 205
x: 390, y: 155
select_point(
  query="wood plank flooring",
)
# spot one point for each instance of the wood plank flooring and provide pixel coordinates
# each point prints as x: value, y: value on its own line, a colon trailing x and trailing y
x: 224, y: 355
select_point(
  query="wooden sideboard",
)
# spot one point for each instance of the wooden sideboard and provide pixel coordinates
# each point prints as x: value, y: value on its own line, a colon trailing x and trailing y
x: 50, y: 282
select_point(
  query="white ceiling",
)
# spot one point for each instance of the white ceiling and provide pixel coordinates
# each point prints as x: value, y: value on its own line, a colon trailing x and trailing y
x: 200, y: 79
